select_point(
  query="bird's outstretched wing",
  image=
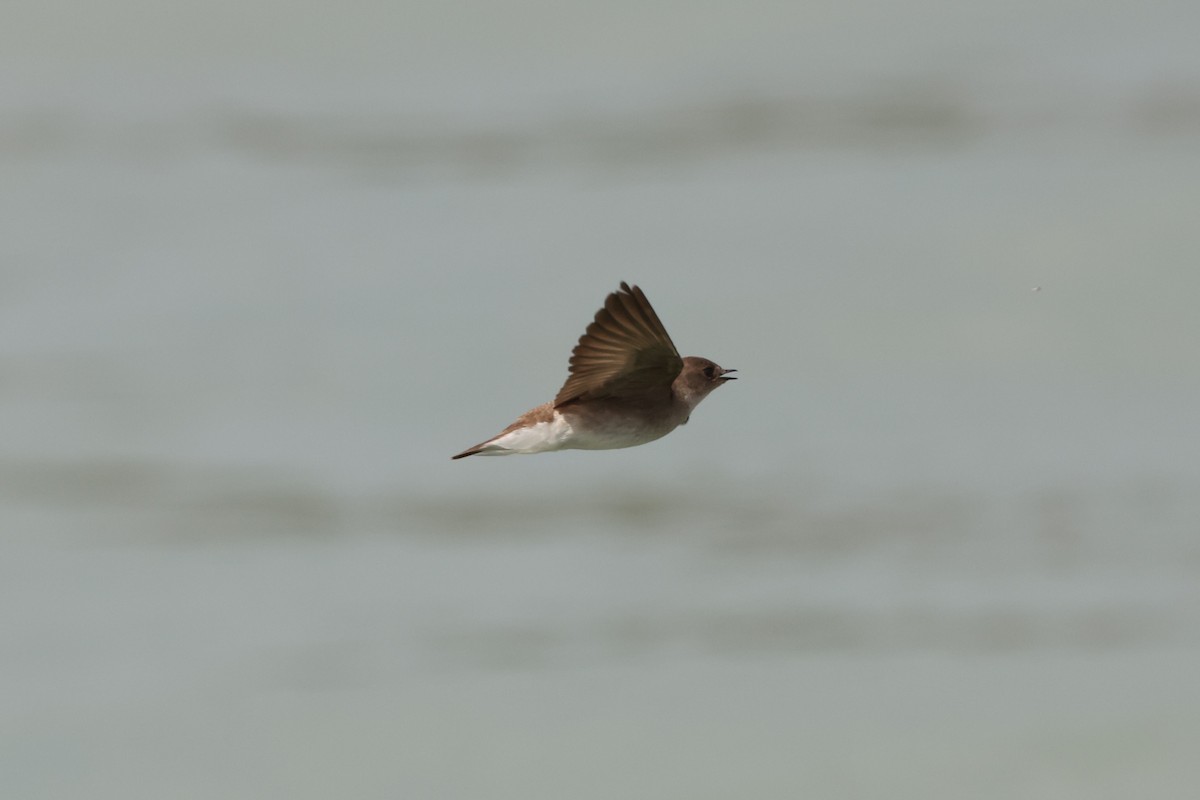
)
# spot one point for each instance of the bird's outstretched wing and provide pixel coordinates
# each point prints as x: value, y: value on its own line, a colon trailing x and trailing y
x: 625, y: 352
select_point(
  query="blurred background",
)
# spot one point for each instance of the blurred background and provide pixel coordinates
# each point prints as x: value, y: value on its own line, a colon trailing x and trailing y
x: 265, y: 266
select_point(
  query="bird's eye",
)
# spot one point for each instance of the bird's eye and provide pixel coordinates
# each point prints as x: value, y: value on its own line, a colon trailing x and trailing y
x: 708, y: 372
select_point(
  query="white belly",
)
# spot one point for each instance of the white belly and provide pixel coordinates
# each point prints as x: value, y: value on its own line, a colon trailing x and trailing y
x: 538, y: 438
x: 559, y: 434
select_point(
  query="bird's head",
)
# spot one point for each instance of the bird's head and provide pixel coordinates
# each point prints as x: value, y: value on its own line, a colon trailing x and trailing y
x: 698, y: 377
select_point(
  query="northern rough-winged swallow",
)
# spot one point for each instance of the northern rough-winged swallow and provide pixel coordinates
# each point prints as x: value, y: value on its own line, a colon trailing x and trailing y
x: 627, y: 386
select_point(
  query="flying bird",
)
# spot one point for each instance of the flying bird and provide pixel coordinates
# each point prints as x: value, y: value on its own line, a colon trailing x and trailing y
x: 627, y: 385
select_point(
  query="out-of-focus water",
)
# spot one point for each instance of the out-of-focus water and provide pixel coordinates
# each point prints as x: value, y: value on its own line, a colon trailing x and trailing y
x: 265, y: 267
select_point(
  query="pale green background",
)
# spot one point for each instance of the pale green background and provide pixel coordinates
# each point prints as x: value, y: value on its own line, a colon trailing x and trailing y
x: 265, y: 266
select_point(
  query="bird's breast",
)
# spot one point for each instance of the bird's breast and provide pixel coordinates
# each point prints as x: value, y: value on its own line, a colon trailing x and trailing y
x: 609, y: 427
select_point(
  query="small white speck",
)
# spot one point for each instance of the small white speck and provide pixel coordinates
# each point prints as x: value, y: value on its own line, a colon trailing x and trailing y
x: 1036, y: 289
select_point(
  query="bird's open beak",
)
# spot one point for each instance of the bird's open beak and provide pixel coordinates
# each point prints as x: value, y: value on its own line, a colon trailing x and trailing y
x: 725, y: 376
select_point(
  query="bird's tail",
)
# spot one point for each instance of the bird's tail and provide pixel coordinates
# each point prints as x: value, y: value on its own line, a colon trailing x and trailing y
x: 487, y: 448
